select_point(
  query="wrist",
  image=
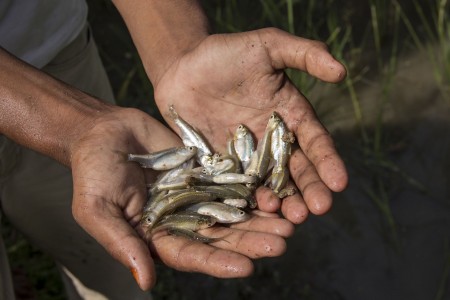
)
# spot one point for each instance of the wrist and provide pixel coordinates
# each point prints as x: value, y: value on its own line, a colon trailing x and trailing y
x: 163, y: 31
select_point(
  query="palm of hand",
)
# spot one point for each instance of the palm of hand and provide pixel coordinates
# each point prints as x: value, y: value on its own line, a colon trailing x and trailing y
x: 216, y: 87
x: 109, y: 194
x: 239, y: 78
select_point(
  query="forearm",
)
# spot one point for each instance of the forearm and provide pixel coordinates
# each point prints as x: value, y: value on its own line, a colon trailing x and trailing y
x: 163, y: 30
x: 41, y: 112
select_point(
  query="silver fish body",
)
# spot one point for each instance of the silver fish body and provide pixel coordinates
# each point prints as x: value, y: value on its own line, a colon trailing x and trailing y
x: 223, y: 213
x: 244, y: 145
x: 245, y: 193
x: 171, y: 202
x: 236, y: 202
x: 191, y: 137
x: 260, y: 167
x: 186, y: 224
x: 185, y: 220
x: 281, y: 142
x: 278, y: 180
x: 164, y: 159
x: 234, y: 178
x: 221, y: 165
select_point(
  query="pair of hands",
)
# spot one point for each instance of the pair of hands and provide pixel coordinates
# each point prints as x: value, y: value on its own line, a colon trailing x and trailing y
x: 226, y: 80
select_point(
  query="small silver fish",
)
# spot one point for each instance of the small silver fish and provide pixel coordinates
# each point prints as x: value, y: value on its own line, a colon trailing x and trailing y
x: 277, y: 180
x: 281, y: 142
x: 221, y: 165
x: 186, y: 224
x: 245, y: 192
x: 191, y: 137
x: 260, y: 167
x: 236, y: 202
x: 244, y: 145
x: 171, y: 202
x: 234, y: 178
x: 186, y: 220
x: 223, y: 213
x: 164, y: 159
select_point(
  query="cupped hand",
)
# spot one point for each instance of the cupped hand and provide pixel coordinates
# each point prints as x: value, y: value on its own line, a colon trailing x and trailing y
x: 229, y: 79
x: 109, y: 194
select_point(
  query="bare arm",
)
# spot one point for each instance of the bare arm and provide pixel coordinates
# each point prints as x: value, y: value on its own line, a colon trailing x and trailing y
x: 163, y: 30
x: 33, y: 105
x: 91, y: 137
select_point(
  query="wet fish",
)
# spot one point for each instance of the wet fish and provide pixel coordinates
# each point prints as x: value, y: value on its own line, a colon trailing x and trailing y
x: 277, y: 180
x: 243, y: 144
x: 234, y: 178
x: 186, y: 224
x: 260, y: 168
x: 185, y: 220
x: 221, y: 165
x: 191, y: 137
x: 164, y: 159
x: 236, y: 202
x: 245, y: 193
x: 171, y: 202
x: 220, y: 191
x: 223, y: 213
x: 281, y: 142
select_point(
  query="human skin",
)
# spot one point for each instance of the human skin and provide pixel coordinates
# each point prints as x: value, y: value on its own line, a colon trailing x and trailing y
x: 241, y: 75
x: 216, y: 82
x: 92, y: 137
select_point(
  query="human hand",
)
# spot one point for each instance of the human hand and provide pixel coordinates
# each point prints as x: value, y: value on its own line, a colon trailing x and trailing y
x: 109, y: 194
x: 229, y: 79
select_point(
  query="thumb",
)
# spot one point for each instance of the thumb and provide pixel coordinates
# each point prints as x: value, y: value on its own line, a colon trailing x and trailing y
x: 311, y: 56
x: 108, y: 226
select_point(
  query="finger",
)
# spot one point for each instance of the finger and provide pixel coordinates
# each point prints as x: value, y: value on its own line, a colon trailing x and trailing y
x: 271, y: 224
x: 294, y: 207
x: 267, y: 200
x: 153, y: 135
x: 249, y: 243
x: 315, y: 193
x: 185, y: 255
x: 109, y: 227
x: 289, y: 51
x: 314, y: 140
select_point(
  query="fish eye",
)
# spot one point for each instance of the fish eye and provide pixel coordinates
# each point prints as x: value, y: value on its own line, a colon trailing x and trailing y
x: 191, y: 148
x: 242, y: 212
x: 241, y: 126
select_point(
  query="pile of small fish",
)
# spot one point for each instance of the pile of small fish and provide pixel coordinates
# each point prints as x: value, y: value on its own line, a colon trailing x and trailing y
x: 199, y: 188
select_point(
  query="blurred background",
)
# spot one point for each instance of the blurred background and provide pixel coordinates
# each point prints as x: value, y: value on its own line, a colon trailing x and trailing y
x: 387, y: 235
